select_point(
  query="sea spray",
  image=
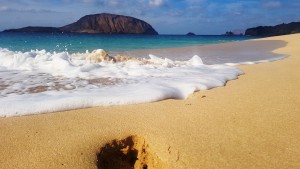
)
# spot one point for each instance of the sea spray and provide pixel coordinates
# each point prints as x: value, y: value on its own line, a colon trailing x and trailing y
x: 39, y: 81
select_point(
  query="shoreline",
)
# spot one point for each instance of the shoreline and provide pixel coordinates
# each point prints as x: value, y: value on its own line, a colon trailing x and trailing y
x: 252, y: 122
x: 157, y: 78
x: 225, y: 52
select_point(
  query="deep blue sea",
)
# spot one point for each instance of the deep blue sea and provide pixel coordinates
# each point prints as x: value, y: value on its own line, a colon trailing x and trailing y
x: 73, y: 42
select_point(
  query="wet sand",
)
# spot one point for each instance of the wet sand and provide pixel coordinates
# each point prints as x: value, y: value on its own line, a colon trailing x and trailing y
x: 252, y: 122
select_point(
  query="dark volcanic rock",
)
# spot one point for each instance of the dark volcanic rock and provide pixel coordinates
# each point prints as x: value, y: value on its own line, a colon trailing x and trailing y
x: 190, y: 34
x: 99, y: 23
x: 282, y: 29
x: 229, y: 33
x: 110, y: 24
x: 34, y: 29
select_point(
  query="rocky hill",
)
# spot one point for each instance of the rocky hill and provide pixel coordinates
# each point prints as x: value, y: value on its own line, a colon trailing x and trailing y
x: 110, y: 24
x: 99, y: 23
x: 282, y: 29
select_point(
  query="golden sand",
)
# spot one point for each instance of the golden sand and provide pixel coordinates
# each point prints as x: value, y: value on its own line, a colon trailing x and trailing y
x: 253, y: 122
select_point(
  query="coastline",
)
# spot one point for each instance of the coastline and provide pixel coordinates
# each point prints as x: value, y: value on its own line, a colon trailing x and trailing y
x: 240, y: 51
x: 250, y: 123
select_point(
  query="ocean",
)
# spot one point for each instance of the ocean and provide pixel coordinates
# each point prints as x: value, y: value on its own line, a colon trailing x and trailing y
x: 41, y: 73
x: 74, y: 42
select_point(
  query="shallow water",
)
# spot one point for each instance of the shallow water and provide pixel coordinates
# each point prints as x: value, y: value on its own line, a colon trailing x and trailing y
x: 235, y: 52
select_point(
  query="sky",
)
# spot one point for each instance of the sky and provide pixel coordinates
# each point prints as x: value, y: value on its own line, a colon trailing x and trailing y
x: 205, y: 17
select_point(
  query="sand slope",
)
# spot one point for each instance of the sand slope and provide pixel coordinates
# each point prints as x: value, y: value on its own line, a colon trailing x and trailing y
x: 253, y: 122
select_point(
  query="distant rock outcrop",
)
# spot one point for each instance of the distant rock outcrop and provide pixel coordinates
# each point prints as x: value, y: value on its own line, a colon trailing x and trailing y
x: 230, y: 33
x: 191, y: 34
x: 282, y: 29
x: 99, y: 23
x: 35, y: 29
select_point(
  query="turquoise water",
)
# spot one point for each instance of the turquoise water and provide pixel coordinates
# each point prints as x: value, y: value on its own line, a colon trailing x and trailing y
x: 81, y: 42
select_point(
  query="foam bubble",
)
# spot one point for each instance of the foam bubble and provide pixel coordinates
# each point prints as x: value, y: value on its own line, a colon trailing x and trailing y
x: 39, y: 81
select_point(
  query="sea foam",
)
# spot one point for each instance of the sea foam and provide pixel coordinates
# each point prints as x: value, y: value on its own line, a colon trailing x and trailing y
x: 39, y: 81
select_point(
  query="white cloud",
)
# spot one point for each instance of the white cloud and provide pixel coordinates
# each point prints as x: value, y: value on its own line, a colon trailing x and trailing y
x: 272, y: 4
x: 4, y: 8
x: 156, y: 2
x: 114, y: 3
x: 88, y: 1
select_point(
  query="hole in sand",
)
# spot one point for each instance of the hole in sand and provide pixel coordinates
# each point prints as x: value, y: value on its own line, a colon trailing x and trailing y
x: 129, y: 153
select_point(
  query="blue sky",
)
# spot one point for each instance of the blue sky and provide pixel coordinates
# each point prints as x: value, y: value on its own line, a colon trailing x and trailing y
x: 166, y: 16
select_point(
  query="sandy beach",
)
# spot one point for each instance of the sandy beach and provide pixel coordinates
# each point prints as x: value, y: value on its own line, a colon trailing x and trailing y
x: 252, y: 122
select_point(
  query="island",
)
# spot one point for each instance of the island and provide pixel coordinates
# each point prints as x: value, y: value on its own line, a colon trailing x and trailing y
x: 190, y: 34
x: 282, y: 29
x: 103, y: 23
